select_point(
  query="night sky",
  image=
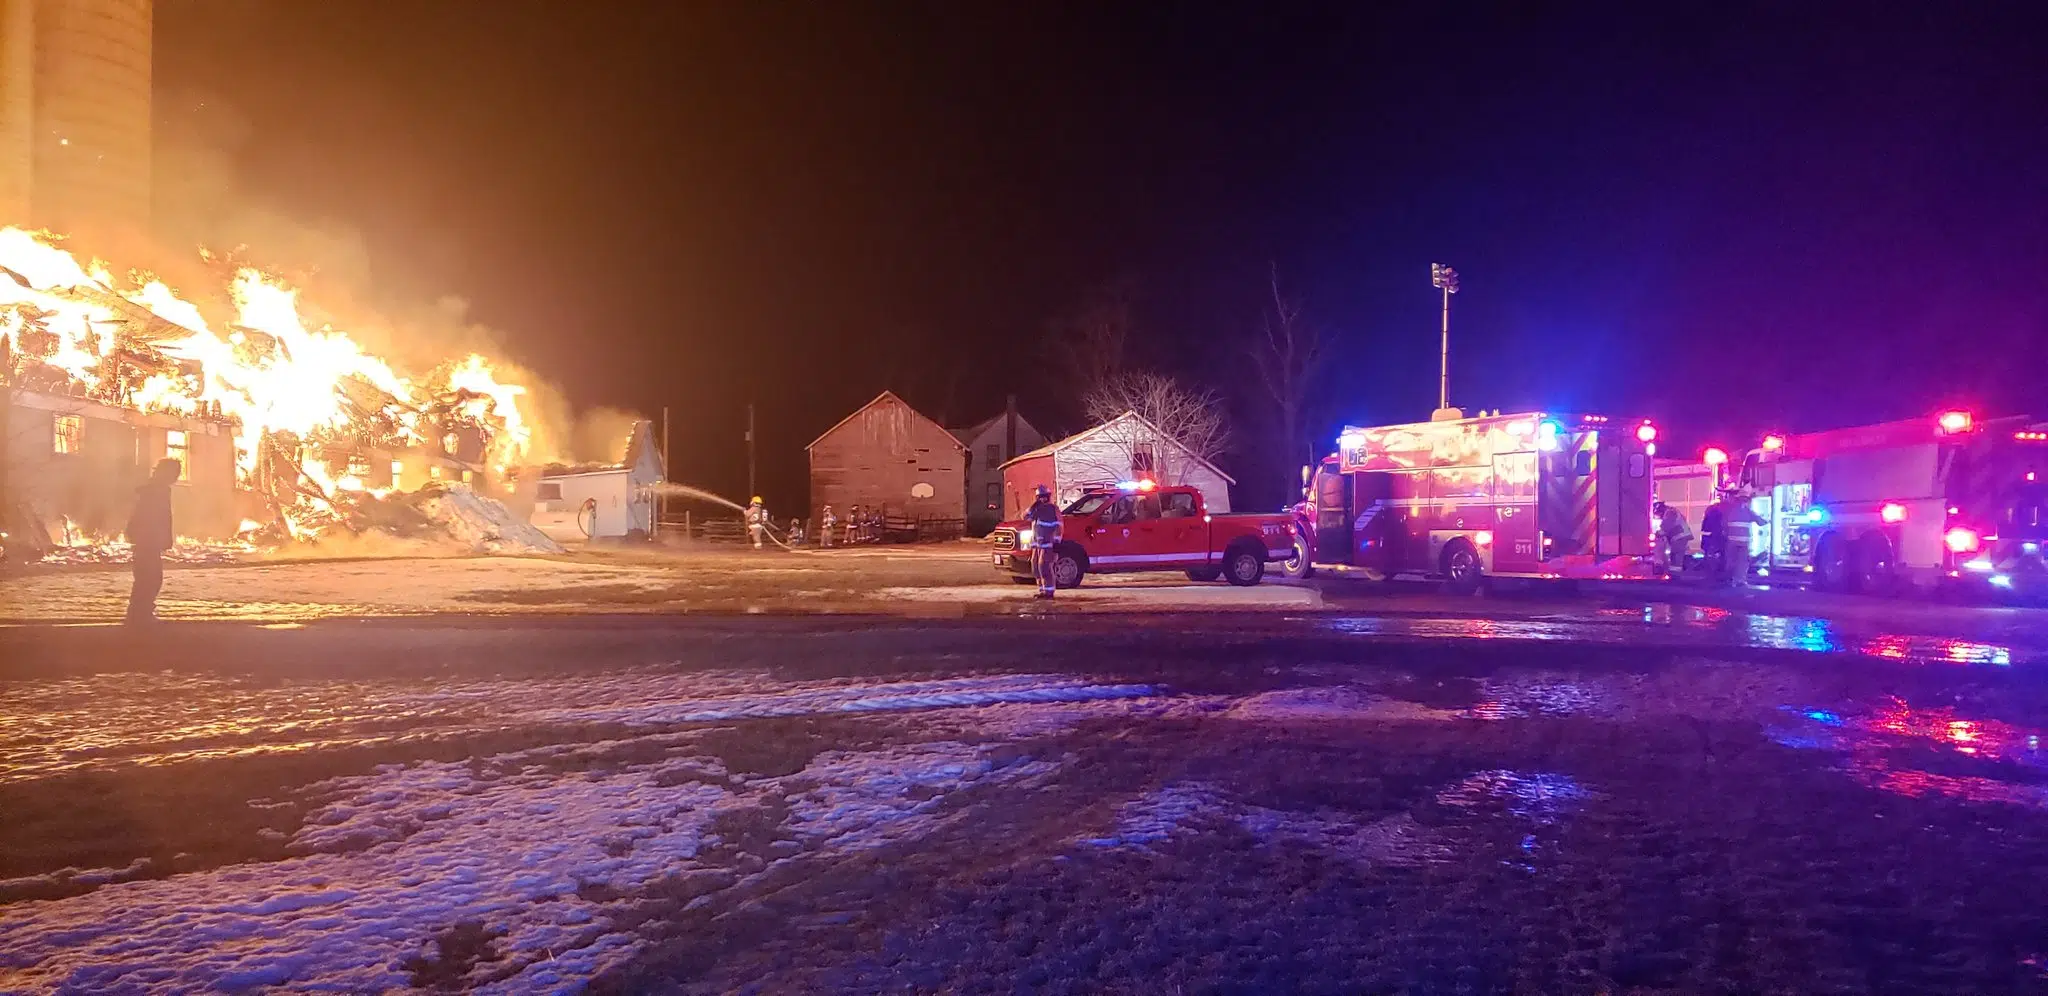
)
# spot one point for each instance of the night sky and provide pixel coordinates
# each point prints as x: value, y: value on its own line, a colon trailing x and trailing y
x: 1797, y: 216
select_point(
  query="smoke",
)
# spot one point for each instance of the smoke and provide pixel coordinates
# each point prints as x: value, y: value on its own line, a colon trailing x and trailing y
x: 202, y: 203
x: 602, y: 434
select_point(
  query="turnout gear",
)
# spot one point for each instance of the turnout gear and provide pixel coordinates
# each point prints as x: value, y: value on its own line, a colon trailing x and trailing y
x: 757, y: 522
x: 827, y: 522
x: 1043, y: 519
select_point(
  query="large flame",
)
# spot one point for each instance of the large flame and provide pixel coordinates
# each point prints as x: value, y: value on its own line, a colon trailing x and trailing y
x: 71, y: 328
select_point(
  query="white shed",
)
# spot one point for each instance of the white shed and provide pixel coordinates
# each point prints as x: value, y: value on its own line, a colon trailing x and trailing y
x: 574, y: 504
x: 1125, y: 448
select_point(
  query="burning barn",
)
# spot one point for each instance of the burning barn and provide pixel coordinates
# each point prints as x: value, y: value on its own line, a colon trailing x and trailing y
x: 286, y: 431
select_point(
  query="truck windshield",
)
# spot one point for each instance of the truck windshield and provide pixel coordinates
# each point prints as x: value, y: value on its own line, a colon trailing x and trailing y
x: 1089, y: 504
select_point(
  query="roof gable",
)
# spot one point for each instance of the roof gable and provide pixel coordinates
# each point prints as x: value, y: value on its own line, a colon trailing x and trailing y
x: 879, y: 398
x: 1060, y: 444
x: 978, y: 429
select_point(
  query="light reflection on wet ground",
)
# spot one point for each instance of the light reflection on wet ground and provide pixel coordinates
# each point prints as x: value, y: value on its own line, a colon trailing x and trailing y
x: 1920, y: 751
x: 1701, y: 626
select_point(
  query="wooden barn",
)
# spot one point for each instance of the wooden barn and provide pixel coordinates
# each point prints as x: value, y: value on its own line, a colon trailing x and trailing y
x: 887, y: 454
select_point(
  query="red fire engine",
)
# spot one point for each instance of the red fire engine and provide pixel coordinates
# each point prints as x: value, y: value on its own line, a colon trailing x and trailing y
x: 1530, y: 495
x: 1913, y: 502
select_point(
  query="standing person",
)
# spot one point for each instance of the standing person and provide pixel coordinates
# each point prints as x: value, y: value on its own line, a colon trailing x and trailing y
x: 757, y: 520
x: 826, y: 523
x: 1676, y: 537
x: 796, y: 531
x: 1044, y: 518
x: 149, y: 532
x: 853, y: 525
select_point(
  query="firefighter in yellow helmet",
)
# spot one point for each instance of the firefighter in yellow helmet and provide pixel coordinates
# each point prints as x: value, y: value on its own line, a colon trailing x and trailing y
x: 827, y: 523
x: 757, y: 521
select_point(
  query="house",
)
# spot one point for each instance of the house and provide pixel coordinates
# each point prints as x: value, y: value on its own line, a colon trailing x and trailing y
x: 888, y: 455
x: 600, y: 501
x: 1125, y: 448
x: 74, y: 465
x: 991, y: 444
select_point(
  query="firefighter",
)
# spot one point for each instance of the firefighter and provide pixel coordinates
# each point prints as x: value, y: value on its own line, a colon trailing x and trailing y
x: 757, y: 520
x: 1044, y: 518
x: 150, y: 534
x: 1714, y: 537
x: 826, y: 523
x: 796, y: 531
x: 853, y: 525
x: 1674, y: 535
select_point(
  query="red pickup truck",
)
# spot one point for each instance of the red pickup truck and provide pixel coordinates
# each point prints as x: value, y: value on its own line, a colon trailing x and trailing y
x: 1144, y: 527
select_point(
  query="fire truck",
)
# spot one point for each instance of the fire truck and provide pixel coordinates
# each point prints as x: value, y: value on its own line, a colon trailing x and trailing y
x: 1911, y: 503
x: 1530, y: 495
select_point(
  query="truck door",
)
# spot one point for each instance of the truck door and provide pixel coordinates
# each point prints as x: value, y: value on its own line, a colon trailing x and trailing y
x: 1153, y: 536
x: 1333, y: 516
x: 1514, y: 514
x: 1111, y: 537
x: 1181, y: 529
x: 1376, y: 528
x: 1626, y: 491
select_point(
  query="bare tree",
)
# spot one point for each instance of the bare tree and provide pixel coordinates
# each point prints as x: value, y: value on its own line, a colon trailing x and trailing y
x: 1290, y: 355
x: 1175, y: 428
x: 1092, y: 344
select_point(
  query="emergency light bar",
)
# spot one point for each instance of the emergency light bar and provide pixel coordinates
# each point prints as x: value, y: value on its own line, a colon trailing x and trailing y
x: 1955, y: 422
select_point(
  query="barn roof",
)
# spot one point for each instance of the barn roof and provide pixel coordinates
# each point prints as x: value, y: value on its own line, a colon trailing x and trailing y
x: 879, y: 398
x: 1060, y: 444
x: 973, y: 432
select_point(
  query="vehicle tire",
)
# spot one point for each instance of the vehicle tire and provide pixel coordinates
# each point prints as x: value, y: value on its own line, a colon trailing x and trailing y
x: 1461, y: 568
x: 1831, y: 564
x: 1204, y: 574
x: 1299, y: 566
x: 1068, y: 565
x: 1871, y: 570
x: 1243, y: 566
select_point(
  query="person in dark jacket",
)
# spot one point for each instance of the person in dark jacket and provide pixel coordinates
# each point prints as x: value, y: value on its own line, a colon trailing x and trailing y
x: 149, y: 532
x: 1043, y: 519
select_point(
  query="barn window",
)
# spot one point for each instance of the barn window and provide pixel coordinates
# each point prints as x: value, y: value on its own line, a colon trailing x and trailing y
x: 397, y: 473
x: 995, y: 494
x: 175, y: 448
x: 551, y: 491
x: 70, y: 433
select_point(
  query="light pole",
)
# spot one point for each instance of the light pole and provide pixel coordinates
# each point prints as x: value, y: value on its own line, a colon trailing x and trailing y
x: 1445, y: 279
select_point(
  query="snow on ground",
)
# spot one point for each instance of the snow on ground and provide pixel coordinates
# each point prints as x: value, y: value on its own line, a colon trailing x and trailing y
x: 1139, y: 597
x: 1189, y: 807
x: 538, y: 856
x: 1332, y: 702
x: 80, y: 723
x: 312, y: 589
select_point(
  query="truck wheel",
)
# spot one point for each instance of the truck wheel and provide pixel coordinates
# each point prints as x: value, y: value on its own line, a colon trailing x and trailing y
x: 1067, y: 567
x: 1204, y: 574
x: 1244, y: 567
x: 1299, y: 566
x: 1831, y: 564
x: 1462, y: 571
x: 1873, y: 565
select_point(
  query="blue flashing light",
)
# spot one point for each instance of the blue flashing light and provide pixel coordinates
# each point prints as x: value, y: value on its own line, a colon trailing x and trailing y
x: 1546, y: 434
x: 1824, y: 716
x: 2001, y: 580
x: 1815, y: 515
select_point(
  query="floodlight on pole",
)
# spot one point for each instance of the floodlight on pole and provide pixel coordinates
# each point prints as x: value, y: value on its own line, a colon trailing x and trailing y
x: 1444, y: 279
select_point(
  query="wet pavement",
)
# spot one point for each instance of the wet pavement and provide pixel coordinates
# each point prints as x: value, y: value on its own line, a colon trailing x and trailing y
x: 1566, y: 795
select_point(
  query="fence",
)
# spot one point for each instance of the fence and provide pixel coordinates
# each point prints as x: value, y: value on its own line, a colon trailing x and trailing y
x: 892, y: 529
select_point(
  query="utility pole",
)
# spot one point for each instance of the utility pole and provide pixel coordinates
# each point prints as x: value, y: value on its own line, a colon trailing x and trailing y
x: 1445, y: 279
x: 661, y: 502
x: 750, y: 452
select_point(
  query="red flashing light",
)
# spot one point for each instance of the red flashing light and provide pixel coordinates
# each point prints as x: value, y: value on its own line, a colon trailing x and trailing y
x: 1646, y: 432
x: 1773, y: 443
x: 1961, y: 539
x: 1892, y: 512
x: 1714, y: 456
x: 1957, y: 421
x: 1484, y: 537
x: 2030, y: 475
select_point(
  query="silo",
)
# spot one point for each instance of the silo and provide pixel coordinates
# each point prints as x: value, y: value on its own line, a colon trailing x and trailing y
x: 81, y: 69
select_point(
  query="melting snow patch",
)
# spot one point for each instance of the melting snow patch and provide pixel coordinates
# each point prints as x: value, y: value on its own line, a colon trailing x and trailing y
x: 406, y: 852
x: 1184, y: 807
x: 1330, y: 702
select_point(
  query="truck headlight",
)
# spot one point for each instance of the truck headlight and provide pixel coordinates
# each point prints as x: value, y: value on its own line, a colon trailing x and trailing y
x: 1024, y: 536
